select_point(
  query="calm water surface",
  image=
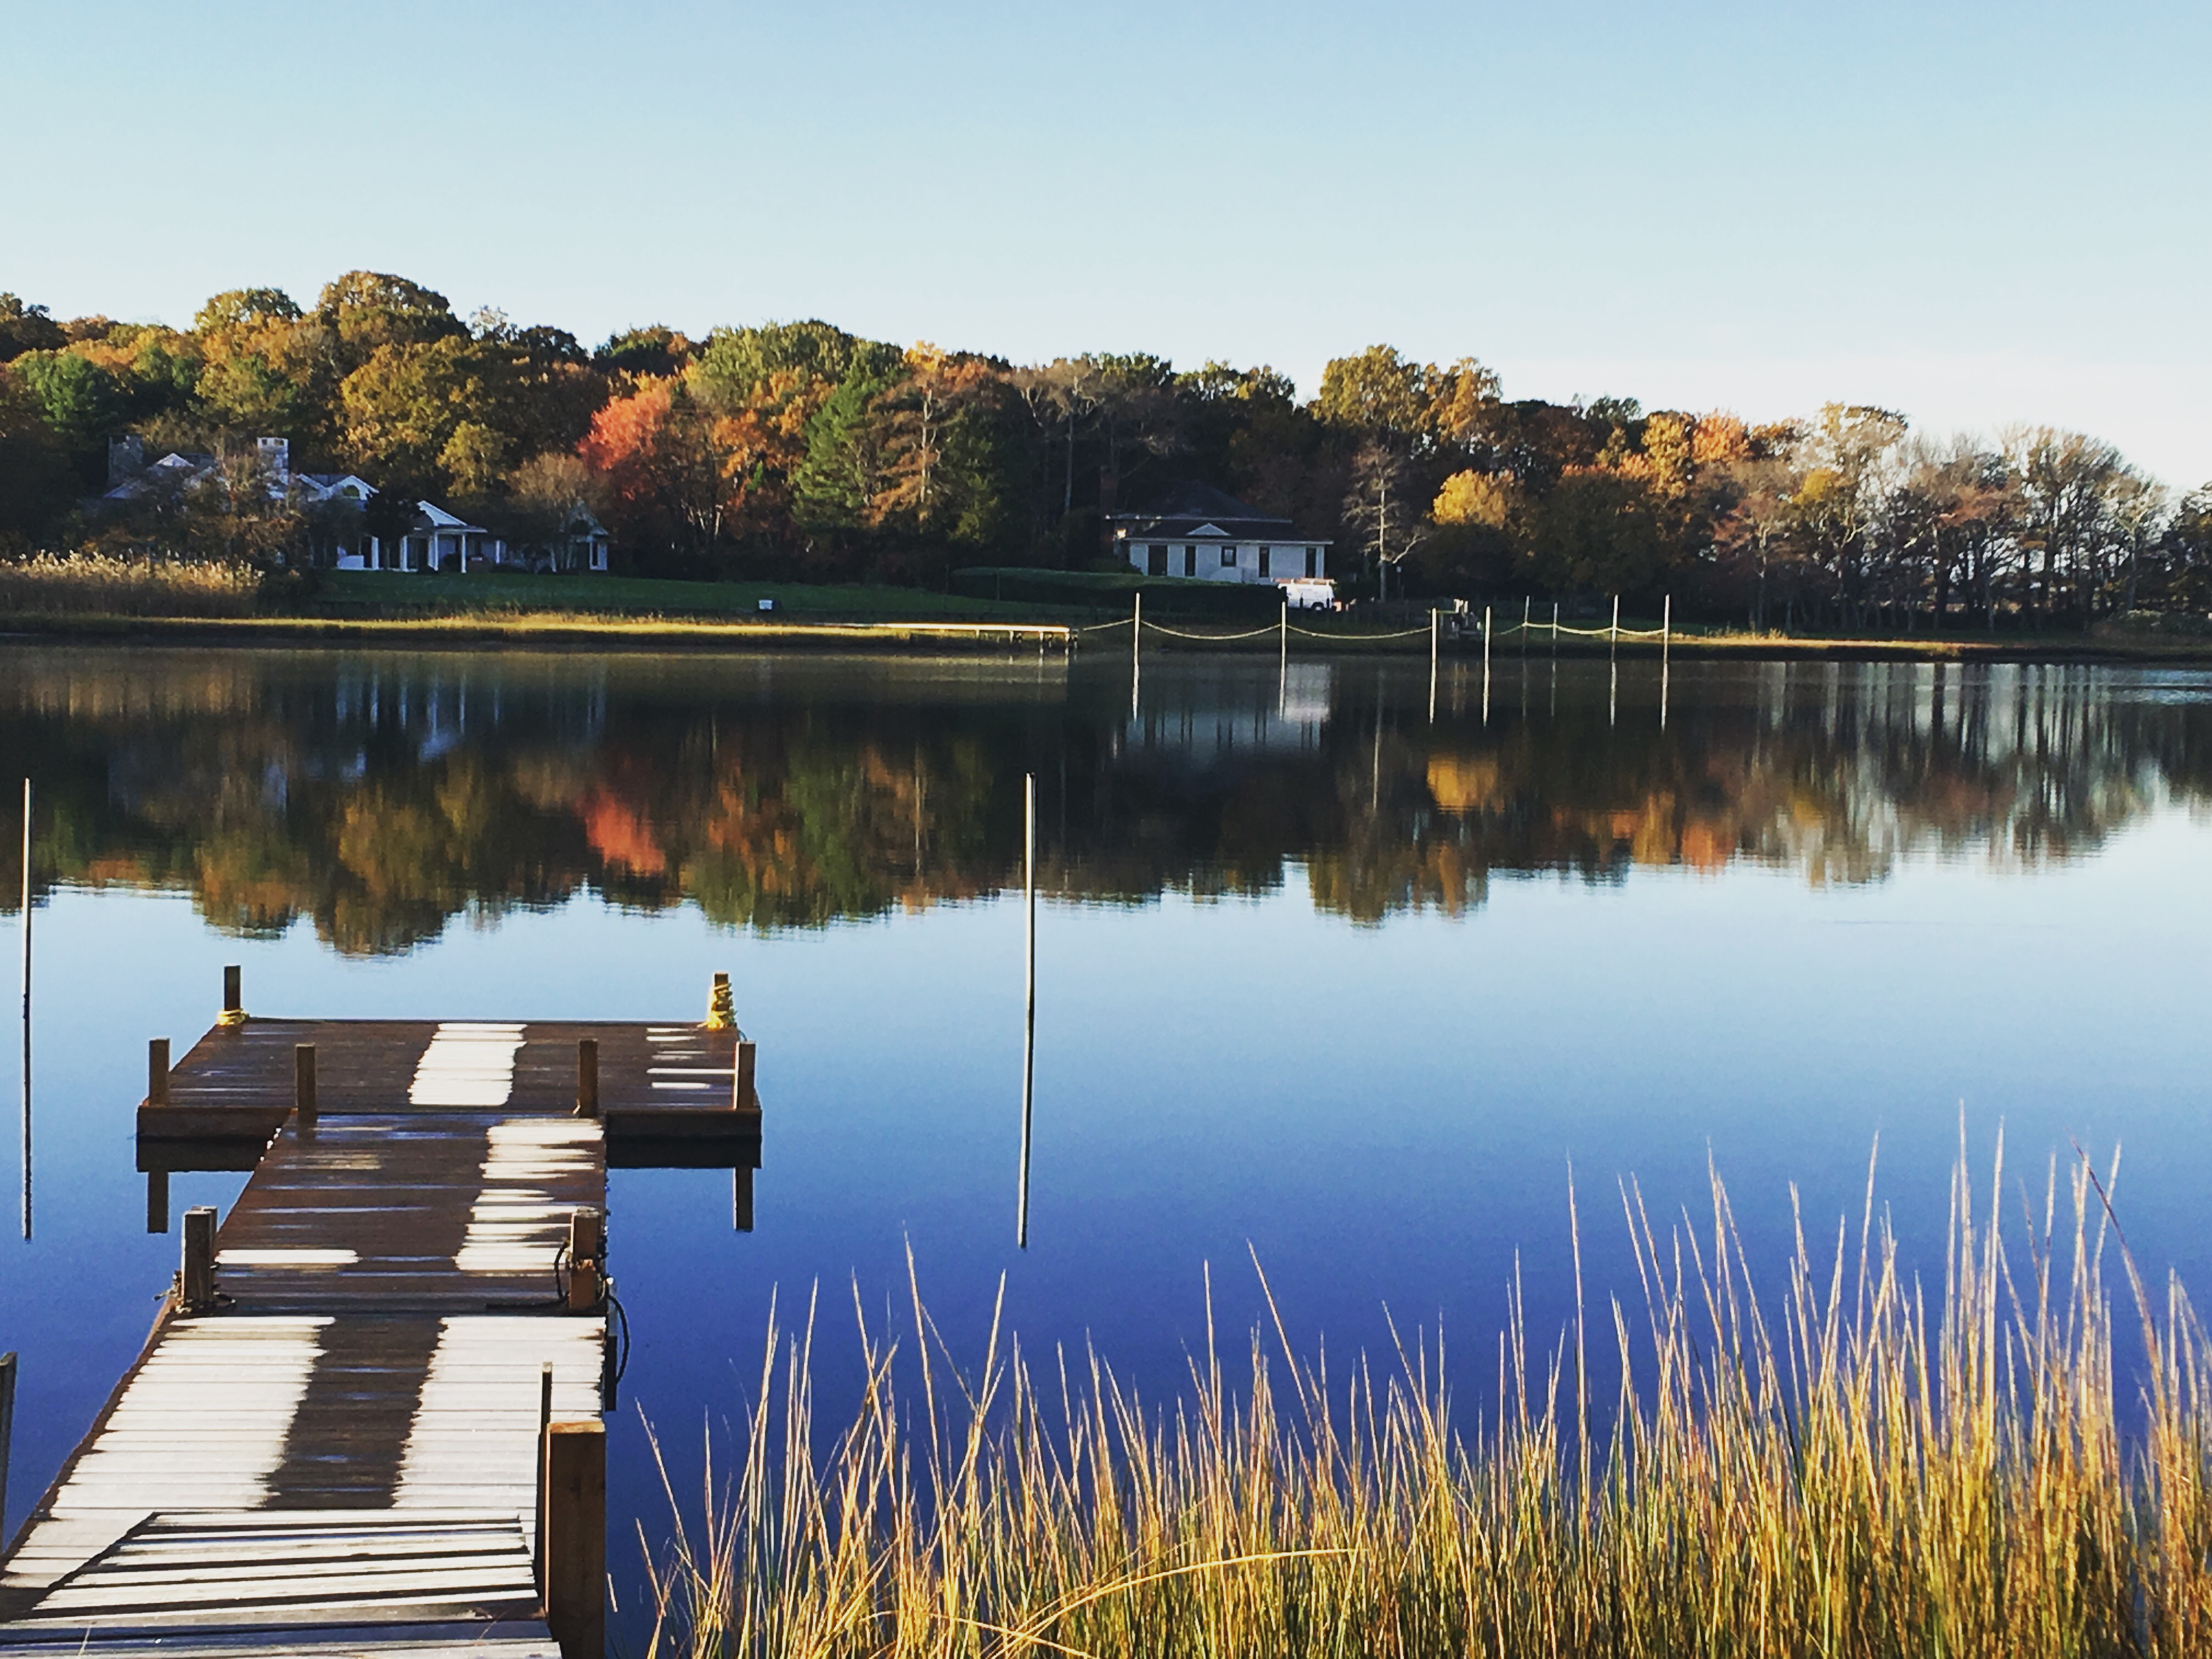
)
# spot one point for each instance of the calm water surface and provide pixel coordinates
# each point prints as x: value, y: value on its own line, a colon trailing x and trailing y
x: 1326, y: 977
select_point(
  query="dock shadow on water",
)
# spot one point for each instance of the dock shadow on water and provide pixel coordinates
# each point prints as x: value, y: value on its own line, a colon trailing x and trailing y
x: 1335, y: 963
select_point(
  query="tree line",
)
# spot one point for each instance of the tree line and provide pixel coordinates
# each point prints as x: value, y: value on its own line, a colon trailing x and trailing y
x: 797, y: 451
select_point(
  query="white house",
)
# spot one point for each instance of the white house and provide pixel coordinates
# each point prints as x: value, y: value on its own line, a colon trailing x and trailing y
x: 1196, y: 530
x: 435, y: 539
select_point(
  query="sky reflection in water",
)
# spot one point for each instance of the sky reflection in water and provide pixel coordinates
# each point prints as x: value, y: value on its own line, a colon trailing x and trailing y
x: 1320, y: 978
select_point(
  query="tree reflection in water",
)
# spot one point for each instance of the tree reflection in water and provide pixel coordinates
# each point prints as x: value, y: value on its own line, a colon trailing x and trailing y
x: 383, y: 795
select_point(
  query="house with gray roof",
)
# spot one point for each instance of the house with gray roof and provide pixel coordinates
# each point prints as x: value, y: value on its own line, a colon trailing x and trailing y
x: 1194, y: 530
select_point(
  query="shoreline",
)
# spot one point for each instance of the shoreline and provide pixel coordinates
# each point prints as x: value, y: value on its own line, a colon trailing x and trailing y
x: 542, y: 629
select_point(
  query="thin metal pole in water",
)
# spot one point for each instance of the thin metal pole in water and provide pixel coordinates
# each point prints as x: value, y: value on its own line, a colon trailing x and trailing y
x: 1666, y: 626
x: 1555, y: 628
x: 1526, y: 602
x: 1136, y: 639
x: 1613, y: 640
x: 1485, y: 639
x: 1432, y: 667
x: 1029, y: 998
x: 26, y: 1007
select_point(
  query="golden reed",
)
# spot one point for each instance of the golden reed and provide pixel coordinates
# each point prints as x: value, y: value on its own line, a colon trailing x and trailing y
x: 1840, y: 1469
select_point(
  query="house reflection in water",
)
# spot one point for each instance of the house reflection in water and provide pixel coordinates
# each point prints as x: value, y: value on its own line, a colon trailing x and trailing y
x: 1213, y: 716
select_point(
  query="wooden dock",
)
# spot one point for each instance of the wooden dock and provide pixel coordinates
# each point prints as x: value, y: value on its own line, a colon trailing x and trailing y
x: 367, y: 1418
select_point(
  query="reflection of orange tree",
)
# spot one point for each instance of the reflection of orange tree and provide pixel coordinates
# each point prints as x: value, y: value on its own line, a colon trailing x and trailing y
x: 802, y: 833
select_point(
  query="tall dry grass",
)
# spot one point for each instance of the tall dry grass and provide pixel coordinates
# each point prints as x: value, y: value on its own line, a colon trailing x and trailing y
x: 100, y: 584
x: 1859, y: 1472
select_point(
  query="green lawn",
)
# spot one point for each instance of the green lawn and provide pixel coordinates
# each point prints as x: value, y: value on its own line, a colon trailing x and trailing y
x: 361, y: 593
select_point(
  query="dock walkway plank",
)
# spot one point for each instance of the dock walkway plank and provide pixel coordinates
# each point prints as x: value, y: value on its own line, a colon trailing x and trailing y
x: 340, y: 1457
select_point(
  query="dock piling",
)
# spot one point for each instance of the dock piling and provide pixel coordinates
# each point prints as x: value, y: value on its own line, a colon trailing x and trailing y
x: 303, y: 1084
x: 721, y: 1012
x: 576, y: 1537
x: 195, y: 1285
x: 741, y: 1198
x: 7, y: 1433
x: 157, y: 1200
x: 588, y: 1077
x: 234, y: 998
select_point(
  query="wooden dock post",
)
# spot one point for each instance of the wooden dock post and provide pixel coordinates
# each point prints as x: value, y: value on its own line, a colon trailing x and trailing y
x: 722, y: 1012
x: 576, y: 1537
x: 233, y: 999
x: 742, y: 1095
x: 544, y: 1423
x: 157, y: 1095
x: 741, y: 1198
x: 303, y: 1084
x: 588, y: 1243
x: 7, y: 1433
x: 588, y: 1077
x: 196, y: 1285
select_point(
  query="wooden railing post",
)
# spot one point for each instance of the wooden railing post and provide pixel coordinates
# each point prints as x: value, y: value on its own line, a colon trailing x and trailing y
x: 586, y: 1251
x: 588, y: 1077
x: 303, y: 1084
x: 544, y: 1423
x: 196, y: 1288
x: 234, y: 1000
x: 576, y: 1537
x: 742, y: 1098
x: 157, y: 1071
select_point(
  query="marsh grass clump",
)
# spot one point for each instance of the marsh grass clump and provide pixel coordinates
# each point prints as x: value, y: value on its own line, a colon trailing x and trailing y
x: 101, y: 584
x: 1851, y: 1466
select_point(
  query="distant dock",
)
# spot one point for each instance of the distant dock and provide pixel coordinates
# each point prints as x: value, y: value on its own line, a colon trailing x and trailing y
x: 368, y: 1419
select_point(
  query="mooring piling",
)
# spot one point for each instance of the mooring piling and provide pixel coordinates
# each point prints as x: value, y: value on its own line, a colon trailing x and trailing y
x: 1029, y: 999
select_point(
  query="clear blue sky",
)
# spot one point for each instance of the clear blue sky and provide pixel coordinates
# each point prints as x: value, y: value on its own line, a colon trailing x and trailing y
x: 1976, y: 213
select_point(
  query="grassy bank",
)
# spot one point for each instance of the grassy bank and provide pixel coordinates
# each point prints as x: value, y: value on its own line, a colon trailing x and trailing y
x: 1843, y: 1470
x: 96, y: 597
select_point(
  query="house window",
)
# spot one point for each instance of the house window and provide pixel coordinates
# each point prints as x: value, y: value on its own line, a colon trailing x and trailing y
x: 1267, y: 561
x: 1313, y: 562
x: 1189, y: 560
x: 1229, y: 555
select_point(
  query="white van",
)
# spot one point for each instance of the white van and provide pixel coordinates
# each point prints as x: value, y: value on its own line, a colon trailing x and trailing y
x: 1309, y: 594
